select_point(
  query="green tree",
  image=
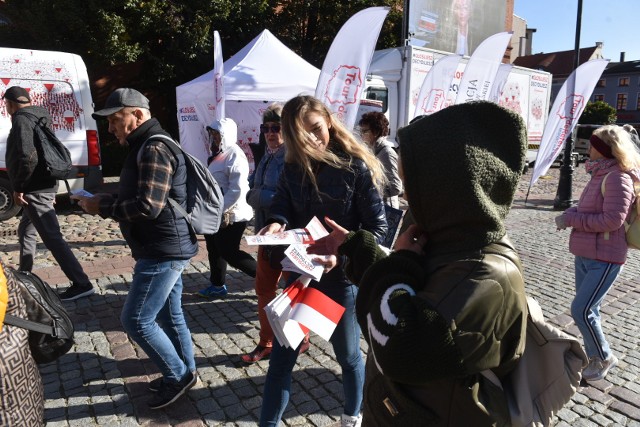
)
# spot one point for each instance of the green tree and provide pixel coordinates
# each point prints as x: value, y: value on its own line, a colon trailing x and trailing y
x: 308, y: 27
x: 598, y: 113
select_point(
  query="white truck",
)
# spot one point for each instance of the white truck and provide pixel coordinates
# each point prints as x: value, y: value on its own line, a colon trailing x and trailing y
x: 59, y: 82
x: 396, y: 75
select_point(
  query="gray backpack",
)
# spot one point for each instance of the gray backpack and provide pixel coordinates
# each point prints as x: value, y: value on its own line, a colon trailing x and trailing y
x: 204, y: 196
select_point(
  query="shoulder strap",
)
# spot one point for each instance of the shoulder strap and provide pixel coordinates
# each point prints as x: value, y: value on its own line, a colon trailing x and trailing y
x: 602, y: 184
x: 169, y: 141
x: 28, y: 324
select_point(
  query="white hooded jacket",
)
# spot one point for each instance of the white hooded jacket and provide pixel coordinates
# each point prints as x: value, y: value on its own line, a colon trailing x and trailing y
x: 230, y: 168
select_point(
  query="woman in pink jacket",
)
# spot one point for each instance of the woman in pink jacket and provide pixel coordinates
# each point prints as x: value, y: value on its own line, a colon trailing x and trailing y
x: 598, y: 237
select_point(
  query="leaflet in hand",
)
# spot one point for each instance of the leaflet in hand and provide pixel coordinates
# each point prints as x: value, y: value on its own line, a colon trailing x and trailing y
x: 305, y: 236
x: 297, y: 260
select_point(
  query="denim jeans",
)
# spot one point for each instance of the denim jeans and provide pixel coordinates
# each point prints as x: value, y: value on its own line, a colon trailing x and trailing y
x: 152, y: 316
x: 593, y: 281
x: 346, y: 345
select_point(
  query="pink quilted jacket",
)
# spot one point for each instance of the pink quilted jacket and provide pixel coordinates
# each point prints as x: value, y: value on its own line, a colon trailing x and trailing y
x: 598, y: 221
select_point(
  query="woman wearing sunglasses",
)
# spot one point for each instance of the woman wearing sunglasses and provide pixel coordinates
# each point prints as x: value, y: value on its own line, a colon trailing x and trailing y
x: 326, y: 172
x: 263, y: 187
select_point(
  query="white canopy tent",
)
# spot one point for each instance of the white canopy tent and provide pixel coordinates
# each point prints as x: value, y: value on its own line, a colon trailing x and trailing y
x: 264, y: 71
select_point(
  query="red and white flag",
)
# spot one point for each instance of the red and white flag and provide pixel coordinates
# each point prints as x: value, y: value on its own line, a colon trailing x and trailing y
x: 480, y: 72
x: 566, y: 110
x: 435, y: 87
x: 318, y: 312
x: 218, y: 80
x: 288, y: 332
x: 345, y: 67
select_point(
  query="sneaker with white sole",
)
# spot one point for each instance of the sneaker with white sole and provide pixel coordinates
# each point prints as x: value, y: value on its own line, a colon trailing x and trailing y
x: 154, y: 385
x: 170, y: 392
x: 76, y: 291
x: 350, y: 421
x: 597, y: 368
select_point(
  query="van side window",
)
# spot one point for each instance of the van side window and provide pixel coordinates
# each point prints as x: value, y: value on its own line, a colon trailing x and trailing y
x: 379, y: 94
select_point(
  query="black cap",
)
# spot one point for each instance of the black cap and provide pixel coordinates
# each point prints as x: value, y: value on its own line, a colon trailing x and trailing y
x: 121, y: 98
x: 17, y: 94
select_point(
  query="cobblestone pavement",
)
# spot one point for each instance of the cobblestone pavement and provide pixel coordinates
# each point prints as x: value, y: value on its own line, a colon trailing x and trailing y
x: 103, y: 380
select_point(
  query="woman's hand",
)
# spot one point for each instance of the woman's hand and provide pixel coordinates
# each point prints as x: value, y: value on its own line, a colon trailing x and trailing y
x: 329, y: 262
x: 329, y: 245
x: 413, y: 239
x: 272, y: 228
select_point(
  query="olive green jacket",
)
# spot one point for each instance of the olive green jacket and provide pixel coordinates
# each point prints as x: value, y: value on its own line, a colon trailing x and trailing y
x: 432, y: 325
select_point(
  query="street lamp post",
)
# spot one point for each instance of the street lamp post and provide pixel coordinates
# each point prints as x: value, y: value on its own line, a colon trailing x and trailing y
x: 564, y: 194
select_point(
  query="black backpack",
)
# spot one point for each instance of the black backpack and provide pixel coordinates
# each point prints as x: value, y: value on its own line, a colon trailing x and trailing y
x: 54, y: 155
x: 51, y: 329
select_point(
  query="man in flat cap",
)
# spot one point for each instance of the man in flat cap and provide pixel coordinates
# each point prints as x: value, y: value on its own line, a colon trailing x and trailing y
x: 35, y: 191
x: 160, y: 241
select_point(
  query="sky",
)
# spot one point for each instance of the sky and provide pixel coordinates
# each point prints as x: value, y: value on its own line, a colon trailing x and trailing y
x: 613, y: 22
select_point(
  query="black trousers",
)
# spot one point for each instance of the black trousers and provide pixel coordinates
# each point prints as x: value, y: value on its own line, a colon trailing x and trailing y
x: 224, y: 248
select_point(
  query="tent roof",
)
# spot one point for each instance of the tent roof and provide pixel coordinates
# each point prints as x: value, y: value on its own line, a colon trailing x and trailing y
x: 263, y: 70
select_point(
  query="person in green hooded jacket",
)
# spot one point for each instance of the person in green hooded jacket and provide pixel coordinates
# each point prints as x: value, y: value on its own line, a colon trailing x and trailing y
x: 449, y: 302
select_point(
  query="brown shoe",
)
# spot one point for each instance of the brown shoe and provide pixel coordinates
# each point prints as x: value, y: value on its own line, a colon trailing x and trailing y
x: 257, y: 354
x: 305, y: 344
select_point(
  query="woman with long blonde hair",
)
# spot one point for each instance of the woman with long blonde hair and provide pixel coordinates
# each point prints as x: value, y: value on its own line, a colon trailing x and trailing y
x: 327, y: 173
x: 598, y: 238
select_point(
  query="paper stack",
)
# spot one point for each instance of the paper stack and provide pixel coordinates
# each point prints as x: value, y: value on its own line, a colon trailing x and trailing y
x: 299, y: 308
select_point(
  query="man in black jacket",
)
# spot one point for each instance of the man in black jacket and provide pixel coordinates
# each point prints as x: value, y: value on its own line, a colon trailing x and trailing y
x: 160, y: 241
x: 35, y: 191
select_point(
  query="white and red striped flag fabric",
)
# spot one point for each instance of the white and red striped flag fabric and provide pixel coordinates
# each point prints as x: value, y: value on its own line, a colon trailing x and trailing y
x: 318, y: 312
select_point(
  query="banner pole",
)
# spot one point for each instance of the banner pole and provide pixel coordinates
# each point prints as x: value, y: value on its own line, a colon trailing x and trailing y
x: 564, y: 194
x: 405, y: 23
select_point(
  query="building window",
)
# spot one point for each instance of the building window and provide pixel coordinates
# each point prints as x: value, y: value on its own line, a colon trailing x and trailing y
x: 598, y: 98
x: 623, y: 81
x: 602, y: 83
x: 621, y: 101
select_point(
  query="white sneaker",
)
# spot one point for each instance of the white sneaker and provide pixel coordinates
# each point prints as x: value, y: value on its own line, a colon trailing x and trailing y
x: 351, y: 421
x: 597, y: 368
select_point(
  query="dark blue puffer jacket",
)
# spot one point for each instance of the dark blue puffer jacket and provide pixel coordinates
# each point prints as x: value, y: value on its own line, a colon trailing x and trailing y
x: 346, y: 196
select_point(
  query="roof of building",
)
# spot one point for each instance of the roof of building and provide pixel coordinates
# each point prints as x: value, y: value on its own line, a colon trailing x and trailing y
x: 556, y: 63
x: 623, y: 67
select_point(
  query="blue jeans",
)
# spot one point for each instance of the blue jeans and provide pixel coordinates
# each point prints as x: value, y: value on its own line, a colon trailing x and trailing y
x: 152, y: 316
x: 593, y: 281
x: 346, y: 345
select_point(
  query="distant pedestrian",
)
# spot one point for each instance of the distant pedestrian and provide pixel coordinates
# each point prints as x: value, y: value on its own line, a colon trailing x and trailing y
x: 326, y: 172
x: 160, y: 240
x: 598, y: 238
x: 36, y: 192
x: 229, y: 166
x: 374, y: 129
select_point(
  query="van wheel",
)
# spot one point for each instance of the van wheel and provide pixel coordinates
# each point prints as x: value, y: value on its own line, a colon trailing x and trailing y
x: 8, y: 208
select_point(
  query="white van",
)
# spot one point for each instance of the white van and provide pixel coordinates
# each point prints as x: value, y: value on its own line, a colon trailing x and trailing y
x: 59, y: 82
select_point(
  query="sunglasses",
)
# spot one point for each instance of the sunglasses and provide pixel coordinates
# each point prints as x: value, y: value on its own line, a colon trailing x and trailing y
x: 272, y: 128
